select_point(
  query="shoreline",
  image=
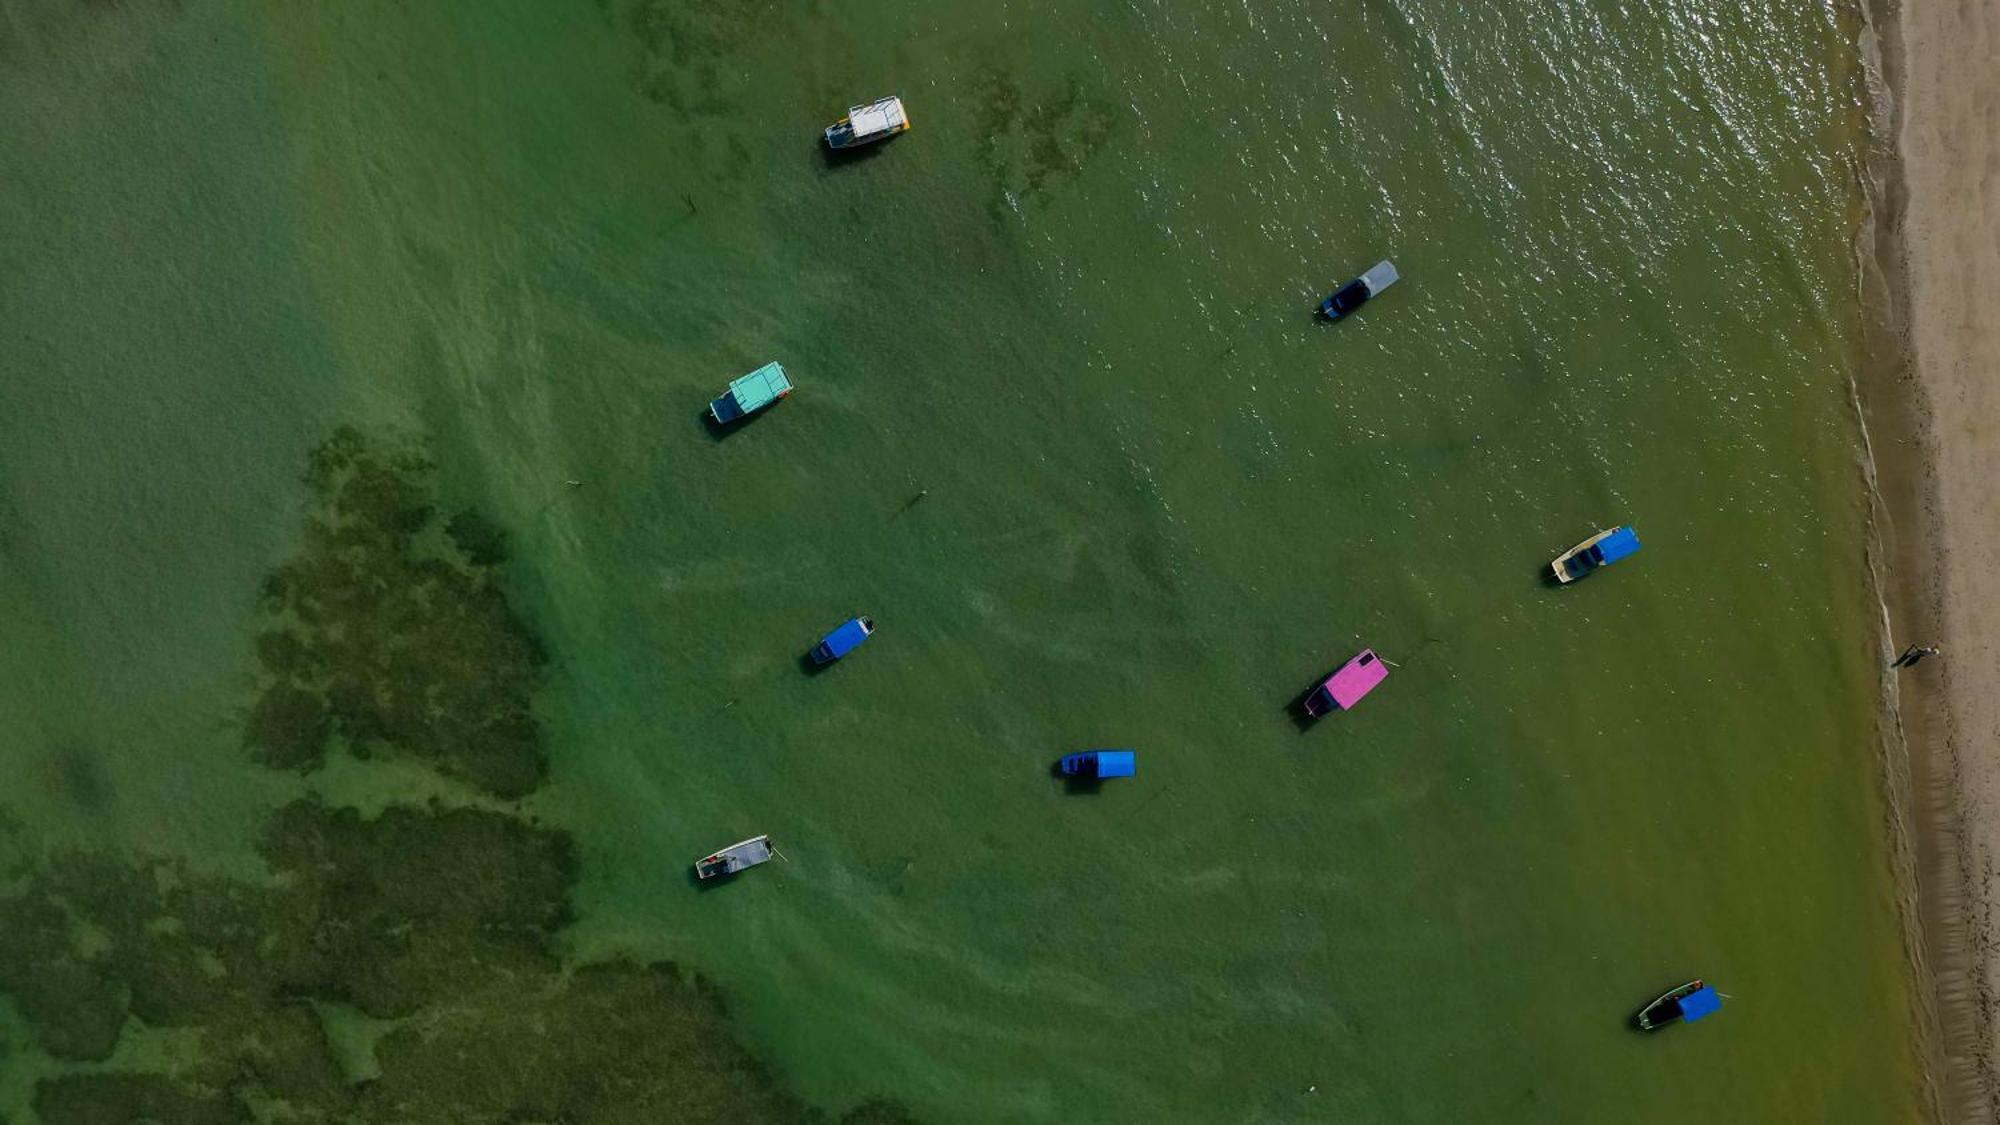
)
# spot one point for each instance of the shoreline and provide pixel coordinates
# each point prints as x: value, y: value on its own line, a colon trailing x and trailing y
x: 1927, y: 356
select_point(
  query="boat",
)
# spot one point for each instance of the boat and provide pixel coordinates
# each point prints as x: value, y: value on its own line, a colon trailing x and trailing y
x: 843, y: 640
x: 1601, y: 549
x: 866, y: 124
x: 739, y: 856
x: 1101, y: 763
x: 1687, y: 1003
x: 1360, y: 291
x: 751, y: 393
x: 1343, y: 689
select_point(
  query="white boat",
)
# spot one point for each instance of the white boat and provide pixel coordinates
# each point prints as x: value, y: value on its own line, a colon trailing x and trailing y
x: 865, y: 124
x: 736, y: 857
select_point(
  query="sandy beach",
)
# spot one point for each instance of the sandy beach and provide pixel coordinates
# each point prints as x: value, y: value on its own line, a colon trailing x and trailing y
x: 1941, y: 251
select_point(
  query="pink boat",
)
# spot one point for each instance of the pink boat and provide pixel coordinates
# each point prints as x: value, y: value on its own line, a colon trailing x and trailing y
x: 1345, y: 688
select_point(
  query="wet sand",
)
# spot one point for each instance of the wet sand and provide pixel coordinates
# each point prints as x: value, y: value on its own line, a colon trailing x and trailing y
x: 1937, y: 455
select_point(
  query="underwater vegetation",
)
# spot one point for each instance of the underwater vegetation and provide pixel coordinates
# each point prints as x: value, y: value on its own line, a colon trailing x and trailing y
x: 1033, y: 143
x: 389, y: 632
x: 692, y: 59
x: 92, y: 1099
x: 437, y: 930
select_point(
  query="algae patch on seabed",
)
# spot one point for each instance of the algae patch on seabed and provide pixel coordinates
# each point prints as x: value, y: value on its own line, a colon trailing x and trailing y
x: 1033, y: 144
x: 78, y: 1099
x: 391, y: 633
x: 442, y: 924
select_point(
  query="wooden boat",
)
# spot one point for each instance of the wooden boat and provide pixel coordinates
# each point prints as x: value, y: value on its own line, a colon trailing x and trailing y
x: 1601, y: 549
x: 1688, y: 1003
x: 736, y: 857
x: 1342, y: 690
x: 866, y: 124
x: 750, y: 393
x: 1360, y: 291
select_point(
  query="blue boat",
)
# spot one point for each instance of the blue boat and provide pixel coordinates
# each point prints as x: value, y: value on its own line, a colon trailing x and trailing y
x: 843, y: 640
x: 1601, y: 549
x: 1359, y: 292
x: 1101, y: 763
x: 751, y: 393
x: 1688, y: 1003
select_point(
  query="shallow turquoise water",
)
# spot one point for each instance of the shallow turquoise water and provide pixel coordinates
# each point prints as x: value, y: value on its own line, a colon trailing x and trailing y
x: 1072, y: 311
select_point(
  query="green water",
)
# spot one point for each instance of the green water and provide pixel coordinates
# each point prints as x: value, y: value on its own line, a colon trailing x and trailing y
x: 1071, y: 311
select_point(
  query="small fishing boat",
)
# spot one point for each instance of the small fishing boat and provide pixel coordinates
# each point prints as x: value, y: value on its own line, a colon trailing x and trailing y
x: 1689, y: 1003
x: 736, y: 857
x: 1101, y: 763
x: 1344, y: 688
x: 843, y: 640
x: 751, y: 393
x: 866, y: 124
x: 1601, y: 549
x: 1359, y: 292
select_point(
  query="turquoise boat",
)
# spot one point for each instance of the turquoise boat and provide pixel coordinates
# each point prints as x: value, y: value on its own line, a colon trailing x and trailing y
x: 751, y: 393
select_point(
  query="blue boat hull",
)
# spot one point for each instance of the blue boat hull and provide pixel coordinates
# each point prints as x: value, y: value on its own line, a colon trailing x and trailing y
x: 1345, y: 301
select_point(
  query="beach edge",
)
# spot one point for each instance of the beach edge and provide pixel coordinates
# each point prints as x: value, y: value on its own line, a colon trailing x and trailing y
x: 1934, y: 544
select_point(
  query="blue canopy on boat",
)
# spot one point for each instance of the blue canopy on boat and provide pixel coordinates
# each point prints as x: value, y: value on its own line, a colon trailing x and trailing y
x: 845, y: 639
x: 1701, y: 1002
x: 1117, y: 763
x: 1618, y: 544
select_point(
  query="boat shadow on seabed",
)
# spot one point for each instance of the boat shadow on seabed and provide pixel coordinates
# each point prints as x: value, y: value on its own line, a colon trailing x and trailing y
x: 1075, y: 784
x: 1296, y: 709
x: 707, y: 885
x: 832, y: 159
